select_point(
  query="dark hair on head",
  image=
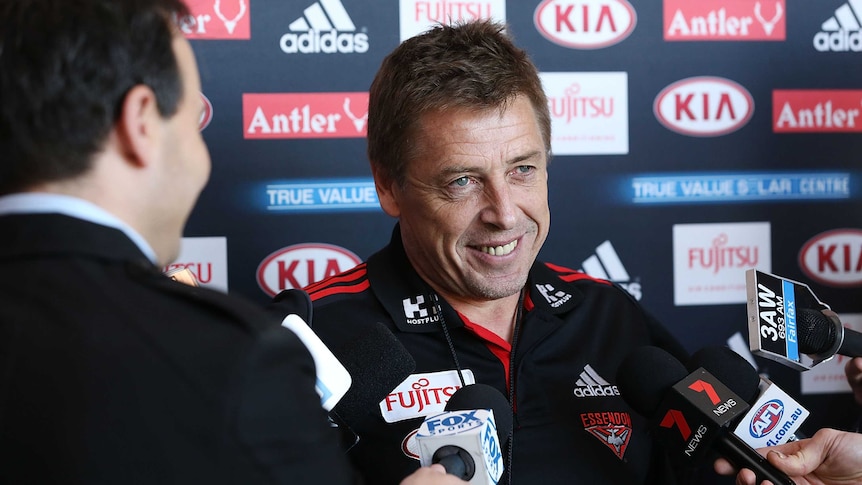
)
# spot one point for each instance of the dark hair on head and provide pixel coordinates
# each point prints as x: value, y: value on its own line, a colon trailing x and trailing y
x: 65, y: 69
x: 472, y: 65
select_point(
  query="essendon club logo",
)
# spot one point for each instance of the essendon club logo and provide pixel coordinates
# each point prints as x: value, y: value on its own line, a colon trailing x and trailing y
x: 613, y: 429
x: 217, y: 19
x: 305, y: 115
x: 724, y: 20
x: 816, y: 111
x: 834, y: 258
x: 704, y: 106
x: 585, y: 24
x: 300, y: 265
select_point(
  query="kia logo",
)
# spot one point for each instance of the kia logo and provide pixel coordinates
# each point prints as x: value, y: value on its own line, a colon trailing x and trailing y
x: 588, y: 24
x: 834, y: 258
x: 704, y: 106
x: 206, y: 113
x: 300, y: 265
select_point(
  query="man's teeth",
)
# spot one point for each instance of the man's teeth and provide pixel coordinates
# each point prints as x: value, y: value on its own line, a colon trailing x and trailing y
x: 500, y: 250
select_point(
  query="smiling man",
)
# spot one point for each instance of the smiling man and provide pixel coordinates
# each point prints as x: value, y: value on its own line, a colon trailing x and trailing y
x: 459, y: 144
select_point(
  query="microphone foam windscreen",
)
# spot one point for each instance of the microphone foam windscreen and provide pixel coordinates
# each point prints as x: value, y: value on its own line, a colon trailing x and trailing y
x: 483, y: 396
x: 730, y: 368
x: 645, y: 376
x: 816, y: 333
x: 377, y: 363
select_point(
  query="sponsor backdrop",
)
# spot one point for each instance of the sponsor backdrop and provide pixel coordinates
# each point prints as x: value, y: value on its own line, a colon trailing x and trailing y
x: 692, y: 139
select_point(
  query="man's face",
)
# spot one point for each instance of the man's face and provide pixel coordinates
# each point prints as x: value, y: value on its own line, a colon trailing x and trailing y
x: 187, y: 160
x: 474, y: 209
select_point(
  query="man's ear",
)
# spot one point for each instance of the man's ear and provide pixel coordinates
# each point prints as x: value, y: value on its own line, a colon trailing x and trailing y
x: 386, y: 191
x: 138, y: 127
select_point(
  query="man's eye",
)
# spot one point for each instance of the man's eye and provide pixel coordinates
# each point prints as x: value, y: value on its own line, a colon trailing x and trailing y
x: 461, y: 181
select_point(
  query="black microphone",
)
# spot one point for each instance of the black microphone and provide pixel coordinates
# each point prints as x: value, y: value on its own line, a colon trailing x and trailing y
x: 467, y: 439
x: 377, y: 362
x: 821, y: 332
x: 774, y: 416
x: 691, y: 412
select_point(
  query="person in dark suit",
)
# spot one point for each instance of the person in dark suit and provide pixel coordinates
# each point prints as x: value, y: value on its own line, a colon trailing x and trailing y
x: 111, y: 372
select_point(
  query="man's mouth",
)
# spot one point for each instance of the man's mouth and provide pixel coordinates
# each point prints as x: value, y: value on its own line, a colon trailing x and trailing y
x: 499, y: 250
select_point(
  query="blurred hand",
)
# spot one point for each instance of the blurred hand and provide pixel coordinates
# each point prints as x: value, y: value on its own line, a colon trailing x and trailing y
x: 432, y: 475
x: 853, y: 371
x: 830, y: 457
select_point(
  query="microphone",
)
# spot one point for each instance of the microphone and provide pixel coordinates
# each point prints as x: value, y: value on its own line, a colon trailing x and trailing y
x: 377, y: 363
x: 468, y: 438
x: 821, y: 332
x: 780, y: 311
x: 774, y: 416
x: 691, y: 412
x: 333, y: 380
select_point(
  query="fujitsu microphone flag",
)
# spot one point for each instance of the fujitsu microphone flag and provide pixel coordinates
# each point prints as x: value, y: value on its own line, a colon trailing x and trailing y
x: 691, y: 413
x: 776, y: 307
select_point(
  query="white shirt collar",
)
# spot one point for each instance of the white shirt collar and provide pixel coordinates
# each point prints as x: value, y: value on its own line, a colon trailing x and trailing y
x: 44, y: 203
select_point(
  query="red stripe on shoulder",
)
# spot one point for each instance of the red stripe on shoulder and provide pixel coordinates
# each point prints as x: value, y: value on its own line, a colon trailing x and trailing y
x: 354, y: 280
x: 357, y: 272
x: 339, y: 290
x: 569, y: 275
x: 561, y: 269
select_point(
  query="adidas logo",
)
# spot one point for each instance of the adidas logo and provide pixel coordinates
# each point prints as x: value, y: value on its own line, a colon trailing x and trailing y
x: 324, y: 27
x: 591, y: 384
x: 843, y: 31
x: 606, y: 265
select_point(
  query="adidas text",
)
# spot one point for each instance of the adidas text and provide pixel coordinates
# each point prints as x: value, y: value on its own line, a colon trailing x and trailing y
x: 840, y: 41
x: 596, y: 391
x: 327, y: 42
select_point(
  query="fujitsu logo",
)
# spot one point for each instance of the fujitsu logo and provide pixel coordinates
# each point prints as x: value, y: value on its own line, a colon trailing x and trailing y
x: 841, y: 32
x: 206, y: 113
x: 203, y: 272
x: 325, y: 27
x: 448, y: 11
x: 585, y: 24
x: 574, y: 105
x: 834, y: 258
x: 420, y: 396
x: 720, y: 256
x: 704, y: 106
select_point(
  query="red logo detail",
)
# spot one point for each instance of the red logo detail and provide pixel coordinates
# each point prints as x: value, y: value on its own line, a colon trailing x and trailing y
x: 676, y: 418
x: 206, y: 114
x: 305, y: 115
x: 834, y: 258
x: 614, y: 437
x: 409, y: 446
x: 217, y: 19
x: 685, y: 20
x: 816, y: 111
x: 704, y: 106
x: 585, y: 24
x: 300, y: 265
x: 703, y: 386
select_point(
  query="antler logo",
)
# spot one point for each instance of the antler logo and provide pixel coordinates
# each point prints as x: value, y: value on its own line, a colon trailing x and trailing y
x: 358, y: 122
x: 768, y: 25
x: 229, y: 24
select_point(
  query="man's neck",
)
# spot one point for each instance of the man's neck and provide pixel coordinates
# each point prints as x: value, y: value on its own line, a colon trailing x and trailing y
x: 498, y: 316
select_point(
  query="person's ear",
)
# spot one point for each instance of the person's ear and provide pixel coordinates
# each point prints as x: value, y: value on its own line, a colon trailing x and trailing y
x: 138, y: 126
x: 386, y: 191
